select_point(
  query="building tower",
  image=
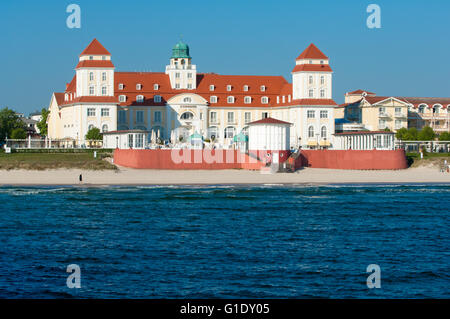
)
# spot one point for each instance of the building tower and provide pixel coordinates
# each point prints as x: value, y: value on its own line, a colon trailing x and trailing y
x: 95, y: 71
x: 312, y: 75
x: 181, y: 71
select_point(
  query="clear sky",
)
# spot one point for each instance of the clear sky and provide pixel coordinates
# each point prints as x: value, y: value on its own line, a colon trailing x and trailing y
x: 408, y: 56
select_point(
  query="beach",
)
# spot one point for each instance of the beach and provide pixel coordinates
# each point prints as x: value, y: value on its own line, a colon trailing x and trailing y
x: 128, y: 176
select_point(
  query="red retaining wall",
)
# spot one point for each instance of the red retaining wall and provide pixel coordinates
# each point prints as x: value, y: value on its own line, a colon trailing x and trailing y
x: 185, y: 159
x: 353, y: 159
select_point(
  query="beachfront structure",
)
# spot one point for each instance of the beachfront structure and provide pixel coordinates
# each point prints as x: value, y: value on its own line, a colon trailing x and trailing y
x: 365, y: 140
x: 269, y: 134
x: 394, y: 112
x: 130, y: 139
x: 182, y: 101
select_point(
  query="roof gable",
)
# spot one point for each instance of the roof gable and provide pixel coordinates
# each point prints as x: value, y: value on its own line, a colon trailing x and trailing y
x: 312, y: 52
x: 95, y: 48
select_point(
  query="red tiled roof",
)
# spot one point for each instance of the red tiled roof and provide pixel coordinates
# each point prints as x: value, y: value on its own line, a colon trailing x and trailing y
x: 312, y: 52
x: 312, y: 68
x: 91, y: 99
x: 59, y: 98
x: 95, y: 64
x: 360, y: 92
x: 269, y: 120
x: 310, y: 102
x: 95, y: 48
x: 430, y: 101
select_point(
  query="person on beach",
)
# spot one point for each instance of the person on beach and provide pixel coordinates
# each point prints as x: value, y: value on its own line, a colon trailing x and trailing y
x: 80, y: 178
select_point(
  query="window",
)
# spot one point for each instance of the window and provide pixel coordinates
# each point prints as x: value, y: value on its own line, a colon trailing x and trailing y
x: 228, y: 87
x: 321, y: 62
x: 91, y: 90
x: 230, y: 117
x: 90, y: 112
x: 213, y: 99
x: 187, y: 100
x: 103, y: 57
x: 265, y: 115
x: 140, y: 98
x: 156, y: 87
x: 323, y: 132
x: 104, y: 76
x: 157, y: 116
x: 189, y: 75
x: 122, y: 98
x: 247, y: 99
x: 105, y: 128
x: 211, y: 87
x: 322, y: 93
x: 177, y: 85
x: 91, y: 57
x: 436, y: 109
x: 189, y: 86
x: 398, y: 111
x: 311, y: 131
x: 245, y: 88
x: 90, y: 127
x: 187, y: 116
x: 213, y: 117
x: 382, y: 124
x: 120, y: 86
x: 398, y: 124
x: 104, y: 90
x: 382, y: 110
x: 422, y: 108
x: 322, y: 79
x: 230, y: 99
x: 105, y: 112
x: 177, y: 75
x: 311, y: 79
x: 130, y: 140
x: 247, y: 117
x: 310, y: 61
x: 139, y: 116
x: 213, y: 132
x: 157, y: 98
x: 139, y: 143
x: 122, y: 116
x: 311, y: 93
x: 263, y: 88
x: 229, y: 132
x: 311, y: 114
x: 138, y: 86
x: 264, y: 100
x: 323, y: 114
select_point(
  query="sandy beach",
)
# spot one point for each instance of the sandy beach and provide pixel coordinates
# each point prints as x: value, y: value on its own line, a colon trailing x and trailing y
x: 127, y: 176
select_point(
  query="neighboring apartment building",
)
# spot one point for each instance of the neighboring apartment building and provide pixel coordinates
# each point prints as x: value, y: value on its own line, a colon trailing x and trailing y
x: 394, y: 112
x: 185, y: 101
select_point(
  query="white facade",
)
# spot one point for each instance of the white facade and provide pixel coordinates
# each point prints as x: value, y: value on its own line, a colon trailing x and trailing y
x: 269, y: 136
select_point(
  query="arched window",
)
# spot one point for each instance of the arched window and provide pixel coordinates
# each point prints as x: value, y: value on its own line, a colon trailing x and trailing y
x: 323, y: 132
x: 138, y: 86
x: 311, y: 131
x: 245, y: 88
x: 422, y: 108
x: 157, y: 98
x: 187, y: 100
x: 187, y: 116
x: 105, y: 128
x: 213, y: 131
x: 90, y: 127
x: 229, y: 132
x: 436, y: 108
x: 155, y: 87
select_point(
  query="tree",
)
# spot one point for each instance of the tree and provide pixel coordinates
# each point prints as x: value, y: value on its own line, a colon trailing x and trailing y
x: 426, y: 134
x: 401, y: 134
x: 94, y: 134
x: 8, y: 122
x: 412, y: 134
x: 444, y: 136
x: 42, y: 124
x: 18, y: 134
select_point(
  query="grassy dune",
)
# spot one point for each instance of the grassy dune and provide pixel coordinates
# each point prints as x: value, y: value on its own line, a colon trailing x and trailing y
x: 43, y: 161
x: 429, y: 159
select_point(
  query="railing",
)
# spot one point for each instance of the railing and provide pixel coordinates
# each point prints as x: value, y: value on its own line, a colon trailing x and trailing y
x: 49, y: 143
x: 382, y: 114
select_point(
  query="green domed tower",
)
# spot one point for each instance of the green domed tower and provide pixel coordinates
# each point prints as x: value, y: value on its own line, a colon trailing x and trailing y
x: 180, y: 51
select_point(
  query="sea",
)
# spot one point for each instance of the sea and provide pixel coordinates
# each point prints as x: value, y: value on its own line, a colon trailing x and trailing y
x: 225, y: 241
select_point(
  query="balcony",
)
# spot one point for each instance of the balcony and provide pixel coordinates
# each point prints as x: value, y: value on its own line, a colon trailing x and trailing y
x: 400, y: 115
x: 383, y: 115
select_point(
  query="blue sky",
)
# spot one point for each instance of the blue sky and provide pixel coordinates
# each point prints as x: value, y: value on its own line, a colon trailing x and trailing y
x: 407, y: 56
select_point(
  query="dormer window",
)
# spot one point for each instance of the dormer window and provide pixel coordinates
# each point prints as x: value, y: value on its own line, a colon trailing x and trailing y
x: 263, y: 88
x: 310, y: 62
x: 138, y: 86
x: 103, y: 57
x: 120, y: 86
x: 157, y: 98
x: 228, y: 87
x: 211, y: 87
x: 247, y: 99
x: 213, y: 99
x: 264, y: 100
x: 321, y: 62
x: 245, y: 88
x: 122, y: 98
x: 230, y: 99
x: 156, y: 87
x: 140, y: 98
x: 91, y: 57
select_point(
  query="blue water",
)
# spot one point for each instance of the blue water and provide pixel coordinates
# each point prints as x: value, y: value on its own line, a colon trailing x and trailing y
x: 225, y: 241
